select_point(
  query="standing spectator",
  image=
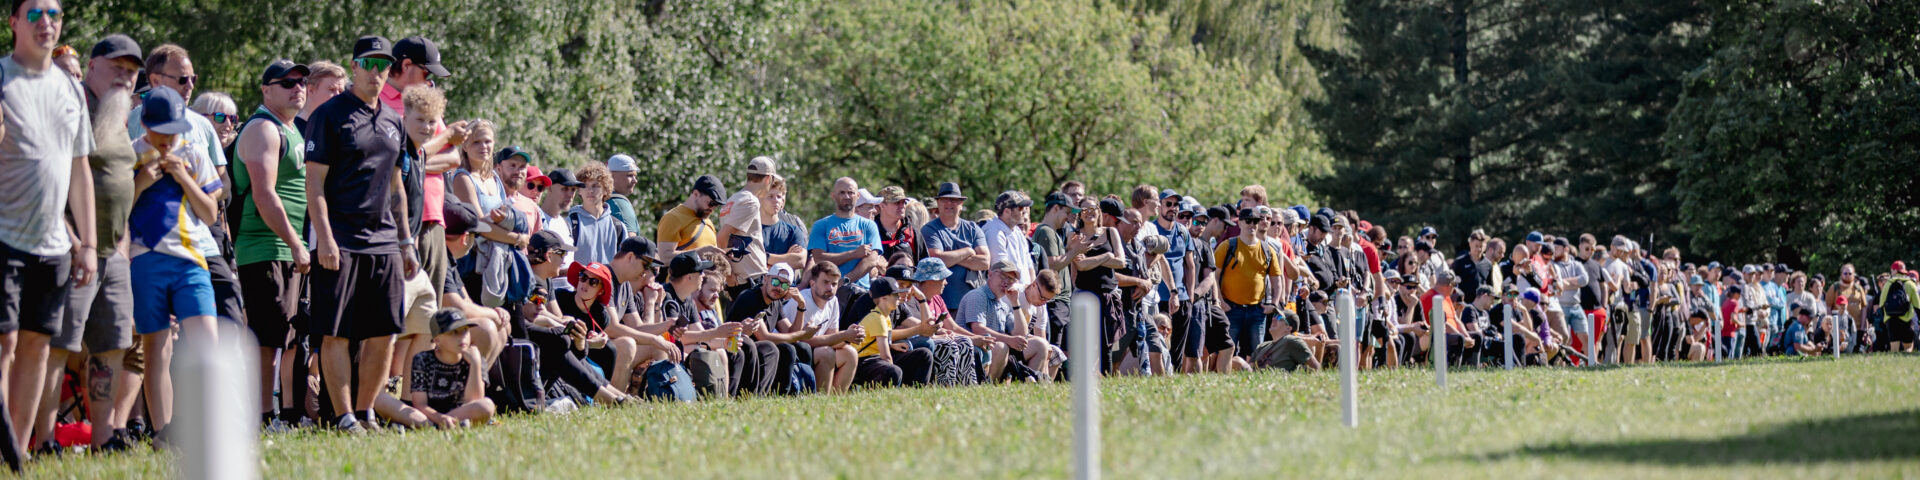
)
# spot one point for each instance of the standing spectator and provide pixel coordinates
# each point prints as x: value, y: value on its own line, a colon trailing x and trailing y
x: 271, y: 193
x: 1050, y: 239
x: 169, y: 67
x: 43, y: 148
x: 959, y: 243
x: 426, y: 154
x: 1466, y: 267
x: 218, y: 109
x: 100, y: 314
x: 358, y: 291
x: 898, y: 236
x: 741, y: 228
x: 1005, y: 239
x: 847, y: 241
x: 557, y: 188
x: 1897, y: 307
x: 171, y: 244
x: 624, y: 172
x: 1246, y: 264
x: 414, y: 59
x: 328, y: 80
x: 686, y: 227
x: 596, y: 233
x: 1573, y: 278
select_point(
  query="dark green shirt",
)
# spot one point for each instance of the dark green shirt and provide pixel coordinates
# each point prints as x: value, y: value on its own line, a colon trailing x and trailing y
x: 255, y: 242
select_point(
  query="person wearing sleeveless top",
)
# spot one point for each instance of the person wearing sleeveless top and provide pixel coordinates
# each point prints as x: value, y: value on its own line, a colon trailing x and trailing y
x: 270, y: 189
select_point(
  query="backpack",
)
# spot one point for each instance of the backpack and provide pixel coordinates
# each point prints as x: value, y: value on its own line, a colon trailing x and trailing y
x: 519, y: 370
x: 573, y: 228
x: 1896, y: 303
x: 666, y: 381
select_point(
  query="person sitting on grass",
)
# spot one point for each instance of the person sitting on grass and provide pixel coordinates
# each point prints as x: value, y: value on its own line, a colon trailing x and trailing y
x: 987, y: 312
x: 1699, y: 333
x: 818, y: 308
x: 783, y: 348
x: 590, y: 302
x: 1288, y: 350
x: 447, y: 386
x: 1796, y: 338
x: 878, y: 366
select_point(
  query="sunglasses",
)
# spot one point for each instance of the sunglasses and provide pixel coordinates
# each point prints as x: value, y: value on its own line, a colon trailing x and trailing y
x: 591, y: 281
x: 780, y: 283
x: 223, y: 117
x: 34, y: 15
x: 373, y: 63
x: 183, y: 80
x: 536, y: 187
x: 289, y: 83
x: 1170, y: 204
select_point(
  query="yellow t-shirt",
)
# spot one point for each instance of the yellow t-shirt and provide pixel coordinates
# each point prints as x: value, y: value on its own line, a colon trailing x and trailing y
x: 1243, y: 278
x: 680, y: 229
x: 879, y: 327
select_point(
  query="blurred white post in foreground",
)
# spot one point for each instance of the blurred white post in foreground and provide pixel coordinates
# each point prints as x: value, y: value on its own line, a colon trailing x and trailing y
x: 1343, y: 308
x: 1437, y: 317
x: 1084, y: 335
x: 216, y: 427
x: 1506, y: 333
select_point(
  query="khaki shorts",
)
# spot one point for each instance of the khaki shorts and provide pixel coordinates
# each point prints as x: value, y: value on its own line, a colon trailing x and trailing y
x: 422, y: 300
x: 1630, y: 334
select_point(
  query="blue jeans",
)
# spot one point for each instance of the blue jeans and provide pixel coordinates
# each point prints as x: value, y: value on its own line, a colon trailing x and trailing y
x: 1246, y: 325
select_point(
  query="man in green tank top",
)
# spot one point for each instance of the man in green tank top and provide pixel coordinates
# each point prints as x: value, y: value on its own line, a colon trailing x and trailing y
x: 270, y: 185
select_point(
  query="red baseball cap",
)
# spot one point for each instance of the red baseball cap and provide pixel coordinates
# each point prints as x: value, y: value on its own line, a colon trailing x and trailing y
x: 1899, y: 266
x: 534, y: 175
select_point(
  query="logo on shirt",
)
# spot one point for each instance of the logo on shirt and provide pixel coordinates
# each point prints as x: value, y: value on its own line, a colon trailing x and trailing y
x: 848, y: 236
x: 390, y: 132
x: 309, y: 146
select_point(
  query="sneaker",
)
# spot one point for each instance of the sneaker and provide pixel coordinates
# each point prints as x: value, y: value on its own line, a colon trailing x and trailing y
x: 277, y: 426
x: 350, y: 425
x: 47, y: 450
x: 371, y: 421
x: 115, y: 443
x: 137, y: 430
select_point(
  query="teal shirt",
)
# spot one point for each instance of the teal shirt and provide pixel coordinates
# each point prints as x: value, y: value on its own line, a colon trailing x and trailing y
x: 623, y: 210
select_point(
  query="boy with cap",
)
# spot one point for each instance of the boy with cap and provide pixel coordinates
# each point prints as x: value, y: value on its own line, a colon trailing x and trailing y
x: 686, y: 227
x: 624, y: 172
x: 879, y: 365
x: 364, y: 250
x: 448, y: 383
x: 175, y: 184
x: 272, y: 258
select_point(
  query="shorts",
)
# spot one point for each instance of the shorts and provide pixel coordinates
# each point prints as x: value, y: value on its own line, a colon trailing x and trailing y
x: 1900, y: 331
x: 167, y: 287
x: 226, y: 290
x: 271, y: 301
x: 1598, y: 318
x: 1631, y: 332
x: 35, y: 290
x: 1218, y: 339
x: 422, y: 300
x: 99, y: 316
x: 361, y: 300
x: 1577, y: 321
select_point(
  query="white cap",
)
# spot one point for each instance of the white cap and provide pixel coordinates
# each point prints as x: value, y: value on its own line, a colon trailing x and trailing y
x: 866, y: 198
x: 781, y: 271
x: 621, y: 163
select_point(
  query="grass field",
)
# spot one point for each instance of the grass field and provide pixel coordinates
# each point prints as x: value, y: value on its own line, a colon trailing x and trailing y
x: 1779, y: 418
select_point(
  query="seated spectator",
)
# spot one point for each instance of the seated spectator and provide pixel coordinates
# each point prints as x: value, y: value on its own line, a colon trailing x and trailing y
x: 447, y: 388
x: 990, y: 312
x: 686, y: 292
x: 1796, y: 339
x: 1288, y: 350
x: 590, y: 302
x: 879, y: 364
x: 818, y: 308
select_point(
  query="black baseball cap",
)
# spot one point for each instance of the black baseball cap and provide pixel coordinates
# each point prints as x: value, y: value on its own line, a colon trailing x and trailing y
x: 1220, y: 212
x: 510, y: 152
x: 900, y: 272
x: 1056, y: 198
x: 1321, y: 222
x: 373, y: 46
x: 422, y: 52
x: 711, y: 187
x: 546, y: 241
x: 688, y: 263
x: 1112, y: 208
x: 450, y: 319
x: 884, y: 287
x: 564, y: 177
x: 462, y: 218
x: 116, y: 46
x: 1012, y: 199
x: 1251, y: 214
x: 640, y: 247
x: 280, y: 68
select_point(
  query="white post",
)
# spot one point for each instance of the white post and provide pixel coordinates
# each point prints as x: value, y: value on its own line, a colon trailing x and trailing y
x: 1834, y: 335
x: 1437, y: 332
x: 1349, y: 359
x: 1084, y: 335
x: 1506, y: 333
x: 218, y: 405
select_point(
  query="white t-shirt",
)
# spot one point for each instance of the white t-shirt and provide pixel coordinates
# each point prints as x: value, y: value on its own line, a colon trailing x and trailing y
x: 558, y: 225
x: 1005, y: 243
x: 743, y: 214
x: 47, y: 128
x: 827, y: 315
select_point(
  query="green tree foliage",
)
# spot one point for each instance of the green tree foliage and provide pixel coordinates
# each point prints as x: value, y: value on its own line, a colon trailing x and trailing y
x: 1796, y: 141
x: 1024, y: 95
x: 1507, y: 115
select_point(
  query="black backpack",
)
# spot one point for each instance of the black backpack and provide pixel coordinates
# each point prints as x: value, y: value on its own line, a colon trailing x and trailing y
x: 1896, y: 304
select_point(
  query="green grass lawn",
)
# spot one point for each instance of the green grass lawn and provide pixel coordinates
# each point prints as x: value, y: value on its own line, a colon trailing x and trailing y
x: 1857, y: 418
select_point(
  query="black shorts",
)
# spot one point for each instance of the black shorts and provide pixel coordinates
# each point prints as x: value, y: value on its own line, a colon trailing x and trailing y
x: 1218, y: 338
x: 1900, y: 331
x: 227, y: 303
x: 35, y: 291
x: 361, y: 300
x: 272, y: 297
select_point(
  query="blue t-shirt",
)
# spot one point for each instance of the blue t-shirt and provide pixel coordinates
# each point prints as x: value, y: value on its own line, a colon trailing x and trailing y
x: 941, y: 237
x: 1794, y: 336
x: 782, y: 236
x: 1177, y: 240
x: 833, y: 234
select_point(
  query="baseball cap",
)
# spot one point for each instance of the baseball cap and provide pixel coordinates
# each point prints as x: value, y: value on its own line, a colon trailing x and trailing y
x: 688, y: 263
x: 422, y: 52
x: 116, y: 46
x: 893, y: 194
x: 1003, y: 266
x: 1112, y: 208
x: 1219, y: 212
x: 280, y: 68
x: 510, y: 152
x: 534, y: 175
x: 640, y: 247
x: 1287, y: 217
x: 565, y: 178
x: 1390, y: 275
x: 1251, y: 214
x: 884, y: 287
x: 1300, y: 211
x: 1899, y: 266
x: 372, y: 46
x: 546, y: 241
x: 931, y: 269
x: 1535, y: 237
x: 620, y: 162
x: 1321, y: 222
x: 1056, y: 198
x: 164, y: 112
x: 462, y: 218
x: 762, y: 165
x: 1735, y: 290
x: 1444, y: 277
x: 1168, y: 193
x: 1533, y: 295
x: 781, y: 271
x: 1363, y: 226
x: 1425, y: 231
x: 1012, y: 199
x: 950, y: 190
x: 1188, y: 204
x: 865, y: 198
x: 449, y: 320
x: 710, y: 186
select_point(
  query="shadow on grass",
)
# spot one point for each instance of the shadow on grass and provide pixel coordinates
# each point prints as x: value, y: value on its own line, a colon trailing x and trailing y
x: 1879, y: 436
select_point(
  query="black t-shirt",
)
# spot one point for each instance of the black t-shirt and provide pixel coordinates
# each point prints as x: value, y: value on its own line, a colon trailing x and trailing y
x: 673, y: 309
x: 1097, y: 280
x: 1468, y: 271
x: 360, y: 144
x: 413, y: 171
x: 750, y: 303
x: 444, y: 384
x: 597, y: 319
x: 455, y: 285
